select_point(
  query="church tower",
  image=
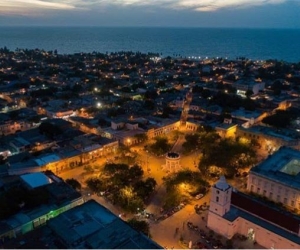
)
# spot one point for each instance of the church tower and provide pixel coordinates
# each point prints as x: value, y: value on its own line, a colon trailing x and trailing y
x: 220, y: 198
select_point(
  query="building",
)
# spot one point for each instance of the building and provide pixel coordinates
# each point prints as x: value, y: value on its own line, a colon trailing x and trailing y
x: 242, y: 86
x: 269, y: 138
x: 226, y: 129
x: 232, y: 212
x: 88, y: 226
x: 278, y: 178
x: 250, y: 118
x: 59, y: 197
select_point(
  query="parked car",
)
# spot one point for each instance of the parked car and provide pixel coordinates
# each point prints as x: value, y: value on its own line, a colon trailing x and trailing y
x: 204, y: 207
x: 190, y: 225
x: 200, y: 245
x: 245, y: 174
x: 199, y: 196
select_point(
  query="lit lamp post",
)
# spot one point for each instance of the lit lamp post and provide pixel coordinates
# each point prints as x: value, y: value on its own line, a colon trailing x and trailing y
x: 98, y: 105
x: 128, y: 141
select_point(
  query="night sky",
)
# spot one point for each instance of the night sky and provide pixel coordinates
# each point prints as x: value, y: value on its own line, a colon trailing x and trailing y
x: 157, y: 13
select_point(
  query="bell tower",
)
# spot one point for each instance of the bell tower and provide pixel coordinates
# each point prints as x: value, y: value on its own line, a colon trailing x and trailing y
x: 220, y: 198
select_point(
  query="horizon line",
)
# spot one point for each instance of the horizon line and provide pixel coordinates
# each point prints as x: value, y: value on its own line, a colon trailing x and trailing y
x: 146, y: 26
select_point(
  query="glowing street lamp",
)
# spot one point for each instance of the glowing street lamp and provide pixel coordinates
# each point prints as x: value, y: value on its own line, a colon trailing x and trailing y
x: 98, y: 105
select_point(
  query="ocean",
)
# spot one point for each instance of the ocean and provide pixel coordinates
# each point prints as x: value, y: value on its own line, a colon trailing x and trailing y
x: 255, y: 44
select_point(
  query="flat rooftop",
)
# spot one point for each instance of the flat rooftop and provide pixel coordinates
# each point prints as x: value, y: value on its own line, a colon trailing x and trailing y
x: 35, y: 180
x: 283, y: 167
x: 284, y: 134
x: 93, y: 226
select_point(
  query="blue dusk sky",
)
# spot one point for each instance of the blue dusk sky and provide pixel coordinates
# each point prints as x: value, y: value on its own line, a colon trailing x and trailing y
x: 156, y: 13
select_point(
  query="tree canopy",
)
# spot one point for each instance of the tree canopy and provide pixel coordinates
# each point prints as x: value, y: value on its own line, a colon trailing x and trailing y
x: 281, y: 119
x: 160, y: 146
x: 228, y: 155
x: 140, y: 225
x: 126, y: 185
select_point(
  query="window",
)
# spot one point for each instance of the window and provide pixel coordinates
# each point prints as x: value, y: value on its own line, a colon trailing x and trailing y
x: 217, y: 199
x: 258, y: 190
x: 218, y: 191
x: 278, y: 197
x: 292, y: 203
x: 271, y: 195
x: 285, y: 200
x: 265, y: 192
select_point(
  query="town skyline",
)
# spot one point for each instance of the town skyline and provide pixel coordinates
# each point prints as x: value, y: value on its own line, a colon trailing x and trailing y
x: 140, y: 13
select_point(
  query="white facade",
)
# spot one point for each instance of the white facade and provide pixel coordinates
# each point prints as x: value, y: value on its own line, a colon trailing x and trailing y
x: 220, y: 197
x: 274, y: 190
x: 277, y: 178
x: 226, y: 219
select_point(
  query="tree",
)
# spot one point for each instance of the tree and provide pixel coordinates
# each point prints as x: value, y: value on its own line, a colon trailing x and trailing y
x: 140, y: 226
x: 141, y: 137
x: 135, y: 172
x: 161, y: 146
x: 281, y: 119
x: 2, y: 160
x: 231, y: 155
x: 95, y: 184
x: 50, y: 129
x: 74, y: 183
x: 113, y: 168
x: 191, y: 142
x: 150, y: 94
x: 77, y: 88
x: 144, y: 189
x: 149, y: 104
x: 249, y: 93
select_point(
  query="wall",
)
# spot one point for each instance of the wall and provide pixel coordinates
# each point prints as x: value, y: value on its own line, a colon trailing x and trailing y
x: 273, y: 190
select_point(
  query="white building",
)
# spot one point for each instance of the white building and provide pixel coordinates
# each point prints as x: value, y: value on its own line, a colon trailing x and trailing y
x: 232, y: 212
x: 278, y: 178
x: 242, y: 86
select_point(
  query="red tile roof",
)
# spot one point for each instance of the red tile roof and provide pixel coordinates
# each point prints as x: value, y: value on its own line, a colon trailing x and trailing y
x: 281, y: 218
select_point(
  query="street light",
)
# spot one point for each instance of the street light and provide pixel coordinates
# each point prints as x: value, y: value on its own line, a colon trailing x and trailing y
x: 98, y: 105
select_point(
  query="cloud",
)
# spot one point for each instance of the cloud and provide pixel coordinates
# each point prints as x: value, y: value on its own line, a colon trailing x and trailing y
x: 31, y: 6
x: 213, y: 5
x: 197, y: 5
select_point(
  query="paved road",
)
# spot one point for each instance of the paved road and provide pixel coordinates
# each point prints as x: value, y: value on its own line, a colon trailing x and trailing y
x: 165, y: 234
